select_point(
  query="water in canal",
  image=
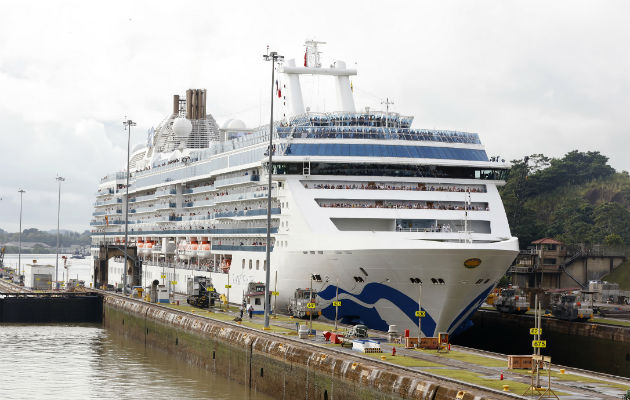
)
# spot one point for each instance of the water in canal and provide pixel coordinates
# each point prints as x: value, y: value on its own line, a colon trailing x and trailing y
x: 90, y: 362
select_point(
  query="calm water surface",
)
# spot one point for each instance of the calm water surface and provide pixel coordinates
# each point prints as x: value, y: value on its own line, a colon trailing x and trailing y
x: 89, y: 362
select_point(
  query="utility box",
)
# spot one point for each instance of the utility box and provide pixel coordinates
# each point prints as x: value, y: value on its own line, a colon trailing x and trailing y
x: 429, y: 343
x: 162, y: 294
x: 520, y: 362
x: 39, y: 276
x: 411, y: 342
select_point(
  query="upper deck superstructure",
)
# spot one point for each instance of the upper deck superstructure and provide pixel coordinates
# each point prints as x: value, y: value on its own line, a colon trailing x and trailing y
x: 361, y: 199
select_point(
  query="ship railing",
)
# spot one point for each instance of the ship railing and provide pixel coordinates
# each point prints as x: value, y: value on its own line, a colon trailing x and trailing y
x: 101, y: 213
x: 200, y: 189
x: 138, y: 199
x: 236, y: 180
x: 241, y: 231
x: 114, y: 176
x: 244, y: 196
x: 199, y: 203
x: 105, y: 192
x: 246, y: 213
x: 165, y: 206
x: 380, y: 133
x: 427, y: 229
x: 140, y: 210
x: 165, y: 192
x: 224, y: 247
x: 196, y: 217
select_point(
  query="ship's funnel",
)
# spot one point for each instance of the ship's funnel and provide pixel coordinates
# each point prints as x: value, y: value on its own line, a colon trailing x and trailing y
x: 196, y: 103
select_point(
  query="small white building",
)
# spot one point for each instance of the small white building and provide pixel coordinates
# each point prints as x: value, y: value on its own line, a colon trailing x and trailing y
x: 39, y: 276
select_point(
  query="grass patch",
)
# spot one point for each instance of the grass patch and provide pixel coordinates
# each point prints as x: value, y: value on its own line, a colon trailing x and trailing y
x: 475, y: 378
x: 256, y: 323
x: 620, y: 275
x: 469, y: 358
x: 610, y: 321
x: 574, y: 378
x: 403, y: 361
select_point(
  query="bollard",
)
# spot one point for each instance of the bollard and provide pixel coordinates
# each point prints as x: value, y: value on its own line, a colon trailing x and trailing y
x: 562, y: 371
x: 383, y: 358
x: 506, y: 388
x: 393, y: 351
x: 501, y: 378
x: 177, y: 302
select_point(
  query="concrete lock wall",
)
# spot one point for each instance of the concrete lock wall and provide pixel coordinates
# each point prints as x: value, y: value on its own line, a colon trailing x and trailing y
x: 276, y: 366
x: 589, y: 268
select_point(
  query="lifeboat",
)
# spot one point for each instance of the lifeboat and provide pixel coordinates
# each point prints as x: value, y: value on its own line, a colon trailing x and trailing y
x: 148, y: 247
x: 204, y: 249
x: 139, y: 245
x: 191, y: 249
x: 181, y: 250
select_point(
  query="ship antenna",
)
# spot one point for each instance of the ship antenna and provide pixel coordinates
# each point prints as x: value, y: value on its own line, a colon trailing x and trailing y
x: 467, y: 235
x: 387, y: 103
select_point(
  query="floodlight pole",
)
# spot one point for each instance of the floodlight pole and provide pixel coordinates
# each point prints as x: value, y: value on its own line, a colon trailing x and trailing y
x: 273, y: 57
x: 59, y: 180
x: 21, y: 191
x: 128, y: 124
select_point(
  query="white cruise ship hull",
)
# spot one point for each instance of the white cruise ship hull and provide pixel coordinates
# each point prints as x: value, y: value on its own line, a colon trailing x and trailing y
x: 386, y: 296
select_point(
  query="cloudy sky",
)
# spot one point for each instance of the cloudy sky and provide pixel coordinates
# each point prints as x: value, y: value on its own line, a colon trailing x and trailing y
x: 530, y: 77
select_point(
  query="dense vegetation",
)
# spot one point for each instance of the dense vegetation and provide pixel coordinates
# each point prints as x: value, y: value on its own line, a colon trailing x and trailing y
x: 578, y: 198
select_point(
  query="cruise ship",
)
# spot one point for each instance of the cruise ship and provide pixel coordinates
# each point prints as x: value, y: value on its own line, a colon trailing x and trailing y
x: 381, y: 216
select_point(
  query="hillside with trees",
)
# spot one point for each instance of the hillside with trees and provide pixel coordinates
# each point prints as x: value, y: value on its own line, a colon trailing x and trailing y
x: 40, y: 242
x: 578, y: 198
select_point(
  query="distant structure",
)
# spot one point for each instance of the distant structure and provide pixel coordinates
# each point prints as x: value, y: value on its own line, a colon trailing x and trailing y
x: 550, y: 264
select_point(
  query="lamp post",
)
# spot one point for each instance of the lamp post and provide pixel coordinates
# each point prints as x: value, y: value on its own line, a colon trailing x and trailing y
x: 21, y: 191
x: 273, y: 57
x: 418, y: 281
x: 128, y: 124
x: 59, y: 180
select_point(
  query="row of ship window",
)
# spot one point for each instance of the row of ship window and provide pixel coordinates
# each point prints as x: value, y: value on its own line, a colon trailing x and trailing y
x: 376, y: 150
x: 423, y: 187
x: 402, y: 204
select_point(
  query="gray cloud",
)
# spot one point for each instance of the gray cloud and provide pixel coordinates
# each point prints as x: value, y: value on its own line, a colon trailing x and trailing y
x: 530, y: 77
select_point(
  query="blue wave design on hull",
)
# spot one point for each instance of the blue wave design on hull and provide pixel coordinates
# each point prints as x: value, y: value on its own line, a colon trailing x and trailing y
x: 476, y: 303
x: 371, y: 293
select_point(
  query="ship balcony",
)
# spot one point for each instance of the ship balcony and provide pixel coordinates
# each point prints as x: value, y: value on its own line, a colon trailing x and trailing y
x: 246, y: 213
x: 167, y: 218
x: 101, y: 223
x: 200, y: 189
x: 101, y: 213
x: 139, y: 199
x: 196, y: 218
x: 114, y: 176
x: 105, y: 192
x: 244, y: 196
x: 242, y: 231
x: 165, y: 192
x: 165, y: 206
x: 236, y: 180
x: 199, y: 203
x: 227, y: 247
x: 140, y: 210
x: 107, y: 202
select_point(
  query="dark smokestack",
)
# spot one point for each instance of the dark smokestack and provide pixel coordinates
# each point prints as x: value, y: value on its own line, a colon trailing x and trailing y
x: 176, y: 104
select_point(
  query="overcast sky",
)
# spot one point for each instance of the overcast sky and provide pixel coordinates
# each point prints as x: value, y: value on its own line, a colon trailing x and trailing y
x: 529, y: 77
